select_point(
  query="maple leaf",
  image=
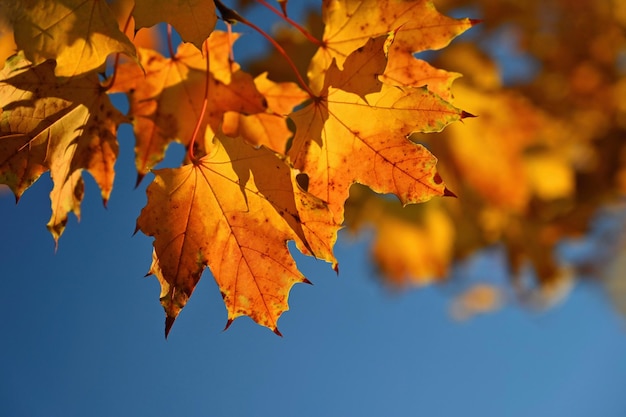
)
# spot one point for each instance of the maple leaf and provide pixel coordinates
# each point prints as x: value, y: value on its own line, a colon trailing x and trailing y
x: 281, y: 97
x: 406, y: 71
x: 341, y: 128
x: 221, y: 64
x: 349, y: 24
x: 63, y: 127
x: 193, y: 19
x: 149, y: 38
x: 233, y: 210
x: 78, y: 34
x: 166, y: 99
x: 258, y: 129
x: 270, y: 128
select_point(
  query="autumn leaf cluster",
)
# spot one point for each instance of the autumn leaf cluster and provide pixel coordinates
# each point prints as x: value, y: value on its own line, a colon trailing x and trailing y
x: 267, y: 162
x: 545, y: 158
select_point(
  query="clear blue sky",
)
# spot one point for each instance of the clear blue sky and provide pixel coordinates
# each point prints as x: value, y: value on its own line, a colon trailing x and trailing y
x: 82, y: 335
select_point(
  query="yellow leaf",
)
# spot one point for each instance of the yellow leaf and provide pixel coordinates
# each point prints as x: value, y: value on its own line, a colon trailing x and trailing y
x: 78, y: 34
x: 350, y: 24
x: 234, y: 211
x: 414, y: 254
x: 142, y: 38
x: 261, y: 129
x: 269, y: 129
x: 220, y: 56
x: 550, y: 176
x: 193, y: 19
x: 407, y: 71
x: 281, y: 97
x: 494, y: 142
x: 66, y: 197
x: 343, y: 138
x: 63, y: 127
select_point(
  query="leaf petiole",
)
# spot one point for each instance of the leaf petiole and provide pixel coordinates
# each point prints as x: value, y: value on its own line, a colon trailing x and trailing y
x: 170, y: 47
x: 117, y: 55
x: 192, y: 142
x: 292, y: 22
x: 232, y: 16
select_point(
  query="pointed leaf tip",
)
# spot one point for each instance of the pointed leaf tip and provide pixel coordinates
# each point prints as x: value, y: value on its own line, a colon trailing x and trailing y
x: 465, y: 114
x: 169, y: 321
x: 306, y: 281
x: 139, y: 178
x: 228, y: 323
x: 275, y: 330
x: 448, y: 193
x: 475, y: 22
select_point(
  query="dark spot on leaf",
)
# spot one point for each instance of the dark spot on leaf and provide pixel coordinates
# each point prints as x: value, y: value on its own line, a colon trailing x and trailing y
x: 303, y: 181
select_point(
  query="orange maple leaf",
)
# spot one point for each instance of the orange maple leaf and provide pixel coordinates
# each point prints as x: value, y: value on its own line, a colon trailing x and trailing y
x: 361, y: 136
x: 165, y: 101
x: 407, y: 71
x: 233, y: 210
x: 269, y: 128
x: 63, y: 127
x: 349, y: 24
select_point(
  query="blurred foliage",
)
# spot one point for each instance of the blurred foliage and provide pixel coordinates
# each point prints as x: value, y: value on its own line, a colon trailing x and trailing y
x: 546, y: 154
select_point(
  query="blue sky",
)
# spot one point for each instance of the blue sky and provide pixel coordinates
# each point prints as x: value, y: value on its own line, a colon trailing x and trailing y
x: 82, y: 335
